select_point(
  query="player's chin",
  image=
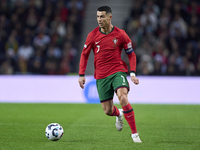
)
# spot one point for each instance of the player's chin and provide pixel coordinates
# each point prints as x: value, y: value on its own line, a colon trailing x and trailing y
x: 100, y: 25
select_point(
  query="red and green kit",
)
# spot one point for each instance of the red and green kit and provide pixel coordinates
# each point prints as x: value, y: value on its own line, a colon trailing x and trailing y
x: 107, y: 50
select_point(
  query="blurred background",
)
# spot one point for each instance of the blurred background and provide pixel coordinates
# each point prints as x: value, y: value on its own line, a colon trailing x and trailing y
x: 46, y: 37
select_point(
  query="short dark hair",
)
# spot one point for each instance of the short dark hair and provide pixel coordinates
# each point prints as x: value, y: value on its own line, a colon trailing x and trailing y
x: 107, y: 9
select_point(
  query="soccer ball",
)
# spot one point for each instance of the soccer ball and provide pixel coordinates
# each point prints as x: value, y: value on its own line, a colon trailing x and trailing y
x: 54, y: 131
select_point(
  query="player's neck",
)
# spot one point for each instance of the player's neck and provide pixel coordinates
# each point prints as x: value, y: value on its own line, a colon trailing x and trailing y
x: 107, y: 29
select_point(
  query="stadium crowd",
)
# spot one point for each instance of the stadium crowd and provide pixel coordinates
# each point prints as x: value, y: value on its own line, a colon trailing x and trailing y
x: 43, y: 36
x: 40, y: 36
x: 166, y: 36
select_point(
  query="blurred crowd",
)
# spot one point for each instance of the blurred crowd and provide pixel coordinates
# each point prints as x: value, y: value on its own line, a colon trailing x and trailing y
x: 40, y: 36
x: 43, y: 36
x: 166, y: 36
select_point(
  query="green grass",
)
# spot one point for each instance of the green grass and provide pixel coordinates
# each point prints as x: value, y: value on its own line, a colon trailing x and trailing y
x: 86, y: 127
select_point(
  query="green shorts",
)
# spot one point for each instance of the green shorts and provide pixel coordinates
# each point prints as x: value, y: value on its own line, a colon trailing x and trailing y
x: 107, y: 86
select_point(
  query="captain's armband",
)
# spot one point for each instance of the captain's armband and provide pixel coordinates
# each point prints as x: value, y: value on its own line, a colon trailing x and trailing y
x: 129, y: 50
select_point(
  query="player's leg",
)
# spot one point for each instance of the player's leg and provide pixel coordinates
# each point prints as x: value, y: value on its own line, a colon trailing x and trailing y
x: 128, y: 113
x: 106, y: 93
x: 121, y: 88
x: 109, y: 108
x: 112, y: 110
x: 127, y: 108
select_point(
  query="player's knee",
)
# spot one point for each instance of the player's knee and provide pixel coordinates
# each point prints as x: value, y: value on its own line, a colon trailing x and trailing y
x: 123, y: 99
x: 122, y: 96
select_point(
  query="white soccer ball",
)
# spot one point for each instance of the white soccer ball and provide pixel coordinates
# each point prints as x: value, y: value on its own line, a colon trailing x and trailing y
x: 54, y: 131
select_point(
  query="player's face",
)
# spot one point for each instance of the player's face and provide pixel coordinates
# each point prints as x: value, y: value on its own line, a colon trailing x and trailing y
x: 103, y: 19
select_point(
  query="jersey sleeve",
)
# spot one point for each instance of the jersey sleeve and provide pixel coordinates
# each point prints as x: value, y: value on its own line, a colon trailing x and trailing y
x: 127, y: 45
x: 85, y: 55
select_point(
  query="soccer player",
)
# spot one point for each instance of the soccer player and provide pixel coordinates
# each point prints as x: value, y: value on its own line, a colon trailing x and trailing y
x: 107, y: 42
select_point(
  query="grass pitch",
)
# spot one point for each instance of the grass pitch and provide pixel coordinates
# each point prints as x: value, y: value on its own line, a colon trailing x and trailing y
x: 86, y: 127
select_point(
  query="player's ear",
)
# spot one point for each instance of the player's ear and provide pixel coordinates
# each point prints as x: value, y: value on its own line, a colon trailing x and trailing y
x: 110, y: 16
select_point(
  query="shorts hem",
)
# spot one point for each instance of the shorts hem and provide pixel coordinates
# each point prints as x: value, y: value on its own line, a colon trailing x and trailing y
x: 121, y: 87
x: 106, y: 100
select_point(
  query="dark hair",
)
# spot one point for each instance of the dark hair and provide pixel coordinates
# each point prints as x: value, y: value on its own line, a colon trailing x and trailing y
x: 107, y: 9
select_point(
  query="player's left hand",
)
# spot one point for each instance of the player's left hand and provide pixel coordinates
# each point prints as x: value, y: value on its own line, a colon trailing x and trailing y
x: 135, y: 80
x: 81, y: 81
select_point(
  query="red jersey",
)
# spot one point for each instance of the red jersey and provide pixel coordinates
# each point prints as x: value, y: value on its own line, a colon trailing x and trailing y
x: 107, y: 50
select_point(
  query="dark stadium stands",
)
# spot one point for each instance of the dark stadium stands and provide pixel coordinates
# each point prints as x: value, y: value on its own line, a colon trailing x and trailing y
x: 40, y: 36
x: 166, y: 36
x: 43, y: 36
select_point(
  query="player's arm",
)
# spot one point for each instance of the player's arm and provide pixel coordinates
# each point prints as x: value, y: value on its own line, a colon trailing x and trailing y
x: 132, y: 62
x: 132, y: 58
x: 84, y: 59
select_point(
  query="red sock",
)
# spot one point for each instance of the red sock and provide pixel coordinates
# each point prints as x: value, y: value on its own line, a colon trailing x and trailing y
x: 115, y: 111
x: 130, y: 117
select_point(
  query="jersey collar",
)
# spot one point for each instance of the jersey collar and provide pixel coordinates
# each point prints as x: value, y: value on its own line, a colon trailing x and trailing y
x: 105, y: 33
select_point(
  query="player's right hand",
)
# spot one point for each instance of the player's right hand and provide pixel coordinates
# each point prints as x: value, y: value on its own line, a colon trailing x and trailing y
x: 81, y: 81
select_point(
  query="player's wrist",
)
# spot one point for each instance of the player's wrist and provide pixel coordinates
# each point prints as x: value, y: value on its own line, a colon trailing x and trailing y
x: 81, y: 75
x: 132, y: 74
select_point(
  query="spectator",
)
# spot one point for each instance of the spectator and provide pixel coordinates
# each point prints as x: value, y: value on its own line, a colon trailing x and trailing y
x: 187, y: 68
x: 11, y: 46
x: 157, y: 69
x: 178, y: 24
x: 78, y: 4
x: 194, y: 7
x: 6, y: 68
x: 36, y: 62
x: 53, y: 52
x: 198, y: 68
x: 47, y: 25
x: 50, y: 66
x: 145, y: 66
x: 70, y: 55
x: 41, y: 41
x: 172, y: 66
x: 32, y: 19
x: 26, y: 51
x: 166, y: 42
x: 22, y: 66
x: 149, y: 20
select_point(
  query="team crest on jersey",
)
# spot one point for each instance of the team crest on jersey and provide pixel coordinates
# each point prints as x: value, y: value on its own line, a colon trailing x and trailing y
x: 115, y: 40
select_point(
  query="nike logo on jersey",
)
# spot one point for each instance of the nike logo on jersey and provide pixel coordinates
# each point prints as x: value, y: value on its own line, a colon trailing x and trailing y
x: 97, y: 42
